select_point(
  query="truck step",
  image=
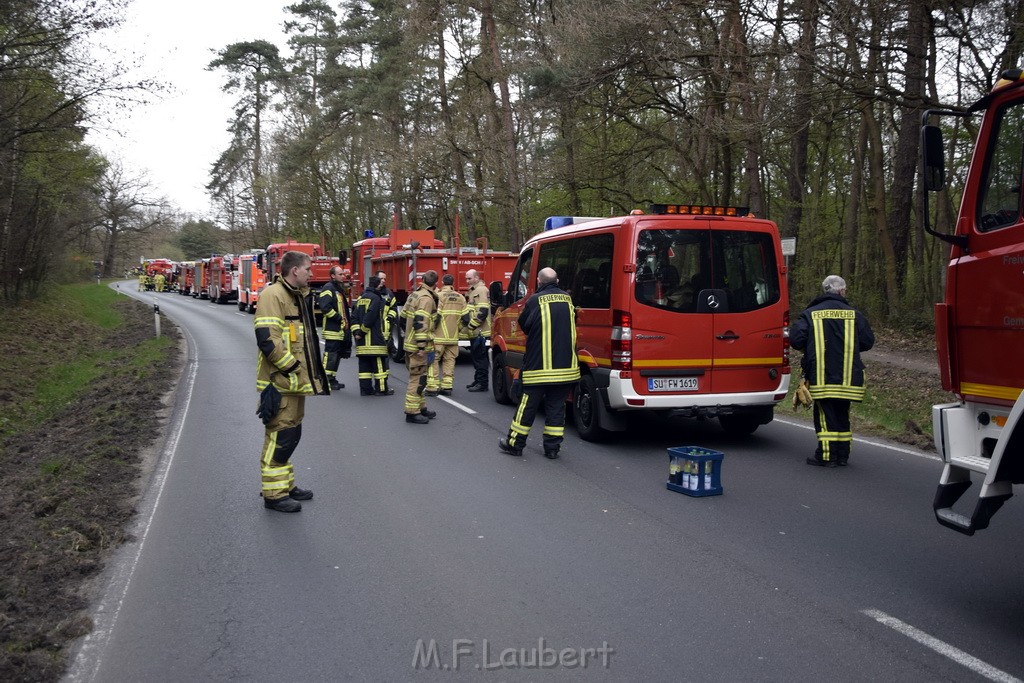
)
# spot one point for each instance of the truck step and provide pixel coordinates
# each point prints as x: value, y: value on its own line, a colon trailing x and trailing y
x: 973, y: 463
x: 948, y: 494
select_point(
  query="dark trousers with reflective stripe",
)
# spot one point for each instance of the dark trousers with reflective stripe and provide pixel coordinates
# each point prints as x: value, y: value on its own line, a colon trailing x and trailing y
x: 332, y: 356
x: 553, y: 397
x: 373, y: 374
x: 832, y: 423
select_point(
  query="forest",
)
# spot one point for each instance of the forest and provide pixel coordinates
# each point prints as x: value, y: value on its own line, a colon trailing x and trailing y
x: 483, y: 117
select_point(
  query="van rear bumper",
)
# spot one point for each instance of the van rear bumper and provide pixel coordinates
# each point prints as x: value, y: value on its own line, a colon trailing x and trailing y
x: 622, y: 396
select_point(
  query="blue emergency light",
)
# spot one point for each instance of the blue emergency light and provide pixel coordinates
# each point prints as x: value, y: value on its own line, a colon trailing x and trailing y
x: 553, y: 222
x: 367, y: 233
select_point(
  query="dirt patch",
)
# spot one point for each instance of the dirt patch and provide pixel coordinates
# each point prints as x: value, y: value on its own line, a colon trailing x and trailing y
x: 70, y: 488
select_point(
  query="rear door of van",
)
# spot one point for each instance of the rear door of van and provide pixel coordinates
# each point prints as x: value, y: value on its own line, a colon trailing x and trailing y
x: 748, y: 322
x: 672, y: 342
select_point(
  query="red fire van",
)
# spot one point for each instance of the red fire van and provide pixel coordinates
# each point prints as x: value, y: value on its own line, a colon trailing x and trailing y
x: 682, y: 310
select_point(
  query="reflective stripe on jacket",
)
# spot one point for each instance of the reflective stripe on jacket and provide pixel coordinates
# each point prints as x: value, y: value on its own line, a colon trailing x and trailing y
x: 451, y: 306
x: 420, y: 313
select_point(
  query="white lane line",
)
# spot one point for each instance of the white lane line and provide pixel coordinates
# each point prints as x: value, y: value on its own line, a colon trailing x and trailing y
x: 109, y: 609
x: 945, y: 649
x: 906, y: 451
x: 465, y: 409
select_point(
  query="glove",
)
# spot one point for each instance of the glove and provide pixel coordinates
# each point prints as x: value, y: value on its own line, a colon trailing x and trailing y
x: 270, y: 403
x: 802, y: 395
x: 430, y: 358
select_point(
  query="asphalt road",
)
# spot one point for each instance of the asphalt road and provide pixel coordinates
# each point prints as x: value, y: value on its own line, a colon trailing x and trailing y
x: 521, y: 569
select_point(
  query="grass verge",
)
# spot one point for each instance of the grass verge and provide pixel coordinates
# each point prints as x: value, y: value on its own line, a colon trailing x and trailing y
x: 78, y: 406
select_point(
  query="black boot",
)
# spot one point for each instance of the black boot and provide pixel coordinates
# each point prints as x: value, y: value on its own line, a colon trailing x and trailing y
x: 335, y: 385
x: 416, y: 419
x: 504, y: 445
x: 477, y: 388
x: 551, y: 453
x: 300, y: 494
x: 285, y: 504
x: 427, y: 413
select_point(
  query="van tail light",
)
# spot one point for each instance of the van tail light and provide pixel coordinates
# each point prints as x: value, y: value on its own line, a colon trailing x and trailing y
x: 785, y: 341
x: 622, y: 341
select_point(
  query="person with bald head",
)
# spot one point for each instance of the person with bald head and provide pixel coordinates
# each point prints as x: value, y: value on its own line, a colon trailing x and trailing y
x: 549, y: 370
x: 478, y: 330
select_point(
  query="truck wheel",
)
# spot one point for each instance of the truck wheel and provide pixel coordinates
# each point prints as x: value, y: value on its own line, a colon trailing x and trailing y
x: 501, y: 385
x: 586, y: 411
x: 395, y: 350
x: 740, y: 424
x: 241, y: 306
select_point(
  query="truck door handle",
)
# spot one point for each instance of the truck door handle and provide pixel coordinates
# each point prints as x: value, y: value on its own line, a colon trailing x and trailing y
x: 728, y: 336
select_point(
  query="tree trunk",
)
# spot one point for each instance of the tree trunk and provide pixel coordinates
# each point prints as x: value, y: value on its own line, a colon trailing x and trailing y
x: 803, y: 77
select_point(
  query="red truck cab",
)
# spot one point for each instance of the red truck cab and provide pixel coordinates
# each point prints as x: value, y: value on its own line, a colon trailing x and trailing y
x: 980, y: 322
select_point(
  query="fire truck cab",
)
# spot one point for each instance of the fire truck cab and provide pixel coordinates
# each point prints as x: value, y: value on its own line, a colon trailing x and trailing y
x: 979, y: 325
x: 681, y: 310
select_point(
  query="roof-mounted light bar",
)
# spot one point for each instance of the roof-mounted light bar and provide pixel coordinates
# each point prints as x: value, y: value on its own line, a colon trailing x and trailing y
x: 698, y: 210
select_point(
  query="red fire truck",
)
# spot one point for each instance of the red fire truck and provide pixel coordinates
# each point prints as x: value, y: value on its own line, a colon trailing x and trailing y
x: 250, y: 281
x: 270, y: 261
x: 160, y: 266
x: 221, y: 287
x: 979, y: 325
x: 188, y: 278
x: 201, y: 280
x: 404, y: 255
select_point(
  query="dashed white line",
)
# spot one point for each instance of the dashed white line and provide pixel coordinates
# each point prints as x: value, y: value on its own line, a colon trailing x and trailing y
x: 943, y: 648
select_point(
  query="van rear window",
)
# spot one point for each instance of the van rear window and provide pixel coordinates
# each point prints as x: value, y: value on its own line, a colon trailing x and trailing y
x: 675, y: 266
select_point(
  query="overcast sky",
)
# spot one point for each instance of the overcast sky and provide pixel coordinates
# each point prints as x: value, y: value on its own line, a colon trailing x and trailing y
x: 174, y: 141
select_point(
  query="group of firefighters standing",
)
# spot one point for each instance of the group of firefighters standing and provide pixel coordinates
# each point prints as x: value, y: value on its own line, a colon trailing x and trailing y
x: 830, y: 332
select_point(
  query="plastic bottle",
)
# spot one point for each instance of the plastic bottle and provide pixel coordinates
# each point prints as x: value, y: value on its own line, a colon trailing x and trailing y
x: 708, y: 470
x: 684, y: 479
x: 673, y: 470
x: 695, y: 476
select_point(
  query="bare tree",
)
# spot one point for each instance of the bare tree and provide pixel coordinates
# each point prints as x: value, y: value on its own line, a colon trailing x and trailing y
x: 125, y: 205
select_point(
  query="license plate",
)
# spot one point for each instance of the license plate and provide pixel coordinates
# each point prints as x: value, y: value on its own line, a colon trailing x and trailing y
x: 672, y: 384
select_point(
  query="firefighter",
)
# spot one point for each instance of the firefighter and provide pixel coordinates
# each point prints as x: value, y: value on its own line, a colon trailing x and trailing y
x: 289, y: 359
x: 333, y: 303
x: 451, y: 308
x: 390, y: 309
x: 832, y: 334
x: 158, y: 282
x: 369, y: 322
x: 142, y: 281
x: 420, y: 313
x: 550, y: 368
x: 478, y: 331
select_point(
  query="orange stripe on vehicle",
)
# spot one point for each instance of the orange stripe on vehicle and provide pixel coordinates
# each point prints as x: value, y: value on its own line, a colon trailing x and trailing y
x: 990, y: 391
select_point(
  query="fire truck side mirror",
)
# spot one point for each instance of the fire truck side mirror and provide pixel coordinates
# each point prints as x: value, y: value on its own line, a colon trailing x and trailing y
x: 497, y: 294
x: 259, y: 261
x: 342, y: 257
x: 933, y: 169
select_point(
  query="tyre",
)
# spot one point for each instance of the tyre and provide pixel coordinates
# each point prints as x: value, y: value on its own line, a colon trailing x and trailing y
x: 587, y: 411
x: 740, y: 424
x: 241, y: 306
x: 396, y: 342
x: 501, y: 384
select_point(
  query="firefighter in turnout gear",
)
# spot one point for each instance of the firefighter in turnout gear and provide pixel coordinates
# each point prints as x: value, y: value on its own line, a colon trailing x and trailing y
x: 451, y: 310
x: 478, y: 331
x: 288, y: 360
x: 333, y: 303
x: 390, y: 310
x: 420, y: 313
x: 369, y: 329
x: 832, y: 334
x: 550, y: 368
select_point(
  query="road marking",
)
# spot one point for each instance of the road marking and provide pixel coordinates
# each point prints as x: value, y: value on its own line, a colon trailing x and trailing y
x: 107, y: 614
x: 465, y: 409
x: 945, y: 649
x: 898, y: 449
